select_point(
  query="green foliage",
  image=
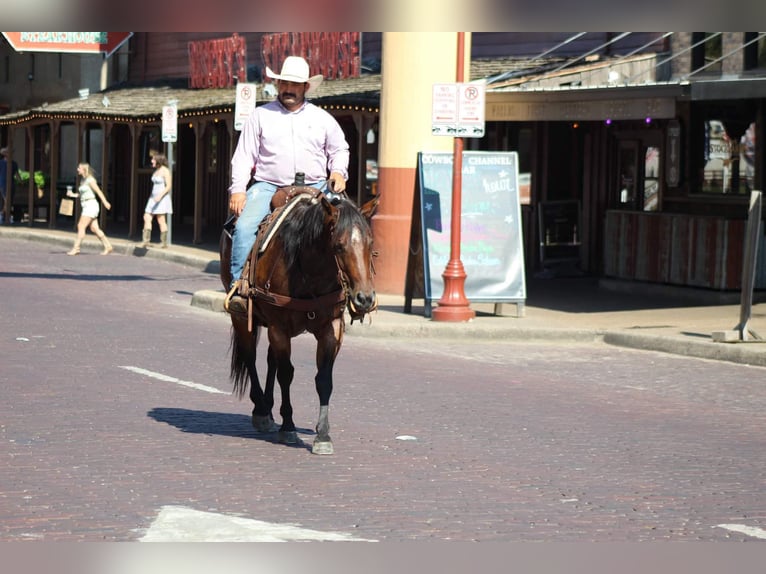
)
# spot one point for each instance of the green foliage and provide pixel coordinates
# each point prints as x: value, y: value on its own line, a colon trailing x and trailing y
x: 41, y: 180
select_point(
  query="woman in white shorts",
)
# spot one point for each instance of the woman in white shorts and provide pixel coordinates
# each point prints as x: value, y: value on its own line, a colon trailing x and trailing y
x: 89, y: 193
x: 160, y: 203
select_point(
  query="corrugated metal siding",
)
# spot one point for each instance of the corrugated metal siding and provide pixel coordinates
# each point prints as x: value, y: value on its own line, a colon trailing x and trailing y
x: 693, y: 251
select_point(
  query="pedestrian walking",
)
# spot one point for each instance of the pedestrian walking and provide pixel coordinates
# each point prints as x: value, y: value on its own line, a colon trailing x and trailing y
x: 89, y: 193
x: 159, y: 204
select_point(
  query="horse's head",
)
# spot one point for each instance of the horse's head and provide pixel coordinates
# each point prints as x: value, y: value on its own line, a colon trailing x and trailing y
x: 352, y: 246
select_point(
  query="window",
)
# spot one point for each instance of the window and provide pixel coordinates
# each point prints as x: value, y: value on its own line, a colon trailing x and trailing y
x: 639, y: 169
x: 755, y: 53
x: 729, y: 161
x: 707, y: 50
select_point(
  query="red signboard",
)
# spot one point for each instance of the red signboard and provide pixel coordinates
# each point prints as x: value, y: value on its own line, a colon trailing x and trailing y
x: 219, y: 63
x: 80, y: 42
x: 335, y: 55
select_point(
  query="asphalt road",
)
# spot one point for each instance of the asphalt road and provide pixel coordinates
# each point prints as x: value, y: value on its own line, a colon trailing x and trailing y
x: 118, y: 424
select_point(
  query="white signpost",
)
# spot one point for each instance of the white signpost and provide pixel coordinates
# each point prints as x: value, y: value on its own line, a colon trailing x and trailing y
x: 169, y: 123
x: 245, y: 104
x: 458, y: 110
x: 170, y: 135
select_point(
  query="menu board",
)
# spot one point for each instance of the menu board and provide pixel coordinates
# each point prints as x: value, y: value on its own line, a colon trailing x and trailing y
x: 491, y: 244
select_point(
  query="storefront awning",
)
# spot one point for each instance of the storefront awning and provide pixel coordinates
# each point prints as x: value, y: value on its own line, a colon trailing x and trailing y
x: 656, y: 101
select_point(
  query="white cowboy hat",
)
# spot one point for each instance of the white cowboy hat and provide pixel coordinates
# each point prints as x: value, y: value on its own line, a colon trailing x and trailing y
x: 296, y: 69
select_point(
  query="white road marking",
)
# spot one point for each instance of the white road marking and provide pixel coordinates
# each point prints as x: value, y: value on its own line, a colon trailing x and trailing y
x: 748, y: 530
x: 161, y: 377
x: 182, y: 524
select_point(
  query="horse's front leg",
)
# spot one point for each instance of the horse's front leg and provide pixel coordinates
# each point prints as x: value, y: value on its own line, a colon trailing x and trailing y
x: 328, y: 345
x: 279, y: 362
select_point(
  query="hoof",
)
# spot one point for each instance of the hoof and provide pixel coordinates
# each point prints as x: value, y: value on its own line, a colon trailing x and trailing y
x: 264, y: 424
x: 288, y: 437
x: 323, y: 447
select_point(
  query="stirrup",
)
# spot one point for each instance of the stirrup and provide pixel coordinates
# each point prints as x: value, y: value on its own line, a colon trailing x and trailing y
x: 229, y: 295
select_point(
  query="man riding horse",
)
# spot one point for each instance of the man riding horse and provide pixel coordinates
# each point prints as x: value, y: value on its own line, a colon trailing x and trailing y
x: 281, y: 138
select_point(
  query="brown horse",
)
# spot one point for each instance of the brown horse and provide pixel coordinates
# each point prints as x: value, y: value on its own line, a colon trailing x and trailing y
x: 300, y: 276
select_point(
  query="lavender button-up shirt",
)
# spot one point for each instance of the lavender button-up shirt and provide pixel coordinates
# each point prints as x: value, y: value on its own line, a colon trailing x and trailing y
x: 279, y: 143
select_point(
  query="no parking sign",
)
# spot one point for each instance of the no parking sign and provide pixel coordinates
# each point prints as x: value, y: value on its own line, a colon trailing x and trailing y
x: 458, y: 110
x: 169, y: 123
x: 245, y: 104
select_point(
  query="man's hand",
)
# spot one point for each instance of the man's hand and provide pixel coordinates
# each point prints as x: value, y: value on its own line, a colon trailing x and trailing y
x: 336, y: 182
x: 237, y: 203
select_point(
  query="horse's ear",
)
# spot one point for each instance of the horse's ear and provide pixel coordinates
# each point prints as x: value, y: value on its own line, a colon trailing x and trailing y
x: 330, y: 209
x: 369, y: 208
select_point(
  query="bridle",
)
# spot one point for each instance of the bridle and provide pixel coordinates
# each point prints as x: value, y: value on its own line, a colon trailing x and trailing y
x: 342, y: 296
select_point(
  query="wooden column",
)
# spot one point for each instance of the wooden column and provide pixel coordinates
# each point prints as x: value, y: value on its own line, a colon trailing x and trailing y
x: 55, y: 126
x: 199, y: 174
x: 31, y: 187
x: 106, y: 129
x: 135, y: 133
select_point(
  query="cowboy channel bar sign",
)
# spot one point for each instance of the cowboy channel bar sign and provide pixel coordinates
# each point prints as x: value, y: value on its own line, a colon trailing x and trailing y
x: 458, y: 110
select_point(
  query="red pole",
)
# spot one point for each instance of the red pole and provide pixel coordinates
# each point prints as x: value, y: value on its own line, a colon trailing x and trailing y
x: 453, y: 305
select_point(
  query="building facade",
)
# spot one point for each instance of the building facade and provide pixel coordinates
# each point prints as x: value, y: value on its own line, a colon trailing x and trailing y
x: 656, y: 139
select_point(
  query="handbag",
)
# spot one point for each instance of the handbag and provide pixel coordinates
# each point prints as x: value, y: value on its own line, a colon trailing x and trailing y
x: 66, y: 207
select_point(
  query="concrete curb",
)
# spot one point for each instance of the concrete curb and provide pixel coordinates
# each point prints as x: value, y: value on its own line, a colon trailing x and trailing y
x: 742, y: 353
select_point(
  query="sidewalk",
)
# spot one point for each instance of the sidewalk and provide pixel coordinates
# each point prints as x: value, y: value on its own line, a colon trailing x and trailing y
x: 642, y: 316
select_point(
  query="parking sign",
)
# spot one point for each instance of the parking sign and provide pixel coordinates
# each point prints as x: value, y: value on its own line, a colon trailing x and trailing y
x: 169, y: 123
x: 458, y: 110
x: 245, y: 104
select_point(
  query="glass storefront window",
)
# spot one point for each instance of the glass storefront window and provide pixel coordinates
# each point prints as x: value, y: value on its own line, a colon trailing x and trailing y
x: 729, y: 162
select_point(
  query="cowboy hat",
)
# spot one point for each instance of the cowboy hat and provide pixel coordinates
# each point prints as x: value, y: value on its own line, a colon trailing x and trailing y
x: 296, y: 69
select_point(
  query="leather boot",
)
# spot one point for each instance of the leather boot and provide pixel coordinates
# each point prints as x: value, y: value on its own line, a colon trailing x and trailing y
x: 75, y: 249
x: 146, y: 238
x: 107, y: 246
x: 163, y: 239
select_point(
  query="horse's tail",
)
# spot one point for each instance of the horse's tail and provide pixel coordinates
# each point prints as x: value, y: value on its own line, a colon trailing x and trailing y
x: 240, y: 359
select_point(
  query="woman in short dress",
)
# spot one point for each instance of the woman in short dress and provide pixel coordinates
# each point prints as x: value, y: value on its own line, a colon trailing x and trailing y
x: 160, y: 202
x: 89, y: 193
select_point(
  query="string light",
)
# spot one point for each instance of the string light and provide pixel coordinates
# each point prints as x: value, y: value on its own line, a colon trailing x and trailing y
x: 215, y: 112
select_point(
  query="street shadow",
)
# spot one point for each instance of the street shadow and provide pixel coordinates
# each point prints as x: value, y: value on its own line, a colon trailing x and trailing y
x: 94, y: 277
x: 220, y: 424
x: 79, y: 277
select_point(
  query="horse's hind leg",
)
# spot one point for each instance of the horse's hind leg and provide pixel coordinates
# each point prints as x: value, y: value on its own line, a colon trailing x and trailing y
x: 263, y: 419
x: 263, y: 403
x: 279, y: 354
x: 244, y: 348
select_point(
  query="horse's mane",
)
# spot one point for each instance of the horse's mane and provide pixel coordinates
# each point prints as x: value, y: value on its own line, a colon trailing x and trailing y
x: 304, y: 228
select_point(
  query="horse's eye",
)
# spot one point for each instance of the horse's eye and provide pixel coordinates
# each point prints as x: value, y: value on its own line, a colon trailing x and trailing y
x: 338, y: 249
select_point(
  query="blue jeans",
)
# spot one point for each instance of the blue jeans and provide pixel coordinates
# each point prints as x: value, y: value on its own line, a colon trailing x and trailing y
x: 256, y: 208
